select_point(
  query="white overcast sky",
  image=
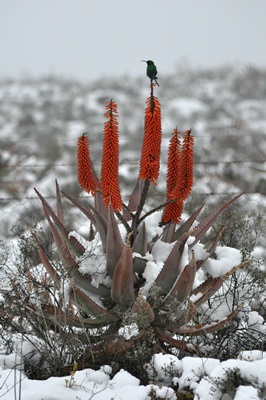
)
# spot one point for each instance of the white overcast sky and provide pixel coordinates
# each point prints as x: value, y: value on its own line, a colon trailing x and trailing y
x: 88, y: 39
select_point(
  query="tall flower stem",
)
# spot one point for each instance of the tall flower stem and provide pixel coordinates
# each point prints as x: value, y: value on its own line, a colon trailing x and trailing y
x: 144, y: 195
x: 110, y: 159
x: 85, y: 170
x: 184, y: 184
x: 151, y: 147
x: 173, y: 210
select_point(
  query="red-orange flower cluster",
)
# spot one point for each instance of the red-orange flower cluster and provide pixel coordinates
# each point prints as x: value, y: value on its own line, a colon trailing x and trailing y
x: 85, y: 175
x: 110, y: 159
x: 179, y: 175
x: 173, y: 210
x: 151, y: 147
x: 185, y: 180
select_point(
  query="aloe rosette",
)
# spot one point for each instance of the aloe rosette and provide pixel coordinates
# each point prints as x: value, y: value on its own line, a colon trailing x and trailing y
x: 127, y: 264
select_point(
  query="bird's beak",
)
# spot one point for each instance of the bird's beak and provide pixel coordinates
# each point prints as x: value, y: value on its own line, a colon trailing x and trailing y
x: 143, y: 60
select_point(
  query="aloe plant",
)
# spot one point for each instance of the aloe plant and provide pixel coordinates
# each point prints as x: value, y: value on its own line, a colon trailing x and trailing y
x: 122, y: 285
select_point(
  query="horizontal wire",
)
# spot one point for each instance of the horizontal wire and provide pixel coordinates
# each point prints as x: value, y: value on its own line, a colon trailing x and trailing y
x: 127, y: 196
x: 132, y: 163
x: 218, y: 136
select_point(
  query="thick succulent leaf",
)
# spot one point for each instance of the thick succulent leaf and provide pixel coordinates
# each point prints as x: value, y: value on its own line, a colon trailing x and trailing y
x: 212, y: 285
x: 184, y: 317
x: 183, y: 285
x: 139, y: 265
x: 98, y: 200
x: 82, y: 208
x: 99, y: 206
x: 172, y: 267
x: 122, y: 289
x: 207, y: 289
x: 126, y: 213
x: 168, y: 233
x: 83, y: 281
x: 59, y: 317
x: 177, y: 319
x: 208, y: 327
x: 140, y: 242
x: 210, y: 246
x: 200, y: 230
x: 136, y: 196
x: 141, y: 306
x: 84, y: 302
x: 180, y: 344
x: 101, y: 224
x: 59, y: 204
x: 180, y: 231
x: 114, y: 243
x: 99, y: 220
x: 62, y: 248
x: 167, y: 236
x: 72, y: 242
x: 118, y: 344
x: 185, y: 227
x: 50, y: 269
x: 60, y: 214
x: 140, y: 246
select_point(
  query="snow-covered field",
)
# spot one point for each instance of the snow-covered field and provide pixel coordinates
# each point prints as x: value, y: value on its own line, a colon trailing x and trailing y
x: 203, y: 375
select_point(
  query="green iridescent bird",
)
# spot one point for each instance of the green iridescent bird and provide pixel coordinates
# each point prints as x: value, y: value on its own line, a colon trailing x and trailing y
x: 151, y: 70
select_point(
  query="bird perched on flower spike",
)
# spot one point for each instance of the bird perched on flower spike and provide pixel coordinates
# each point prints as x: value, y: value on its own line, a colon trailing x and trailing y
x: 151, y: 71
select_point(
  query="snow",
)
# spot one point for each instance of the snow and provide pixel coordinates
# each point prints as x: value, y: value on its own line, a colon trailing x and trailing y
x: 152, y: 225
x: 254, y: 372
x: 128, y: 331
x: 93, y: 261
x: 227, y: 258
x: 199, y: 374
x: 87, y: 384
x: 246, y: 393
x: 186, y: 106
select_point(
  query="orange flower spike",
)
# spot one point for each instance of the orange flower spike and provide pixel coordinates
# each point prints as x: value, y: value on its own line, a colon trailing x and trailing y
x: 151, y: 147
x: 174, y: 155
x: 173, y: 210
x: 85, y: 176
x: 110, y: 159
x: 185, y: 181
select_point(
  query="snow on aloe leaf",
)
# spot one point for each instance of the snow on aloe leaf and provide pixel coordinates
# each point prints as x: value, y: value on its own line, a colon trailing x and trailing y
x: 93, y: 261
x: 227, y: 258
x: 152, y: 225
x: 160, y: 252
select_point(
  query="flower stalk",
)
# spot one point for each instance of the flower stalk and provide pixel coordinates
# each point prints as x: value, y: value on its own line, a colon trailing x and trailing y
x: 185, y: 181
x: 173, y: 210
x: 151, y: 147
x: 85, y: 173
x: 110, y: 159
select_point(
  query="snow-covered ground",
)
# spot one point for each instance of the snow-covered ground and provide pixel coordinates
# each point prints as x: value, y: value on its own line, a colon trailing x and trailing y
x: 205, y: 376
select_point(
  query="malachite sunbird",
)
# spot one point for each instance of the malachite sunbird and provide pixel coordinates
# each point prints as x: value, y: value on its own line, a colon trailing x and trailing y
x: 151, y: 70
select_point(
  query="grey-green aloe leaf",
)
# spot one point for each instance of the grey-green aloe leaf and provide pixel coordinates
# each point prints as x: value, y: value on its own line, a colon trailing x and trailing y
x: 114, y: 243
x: 122, y: 289
x: 71, y: 241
